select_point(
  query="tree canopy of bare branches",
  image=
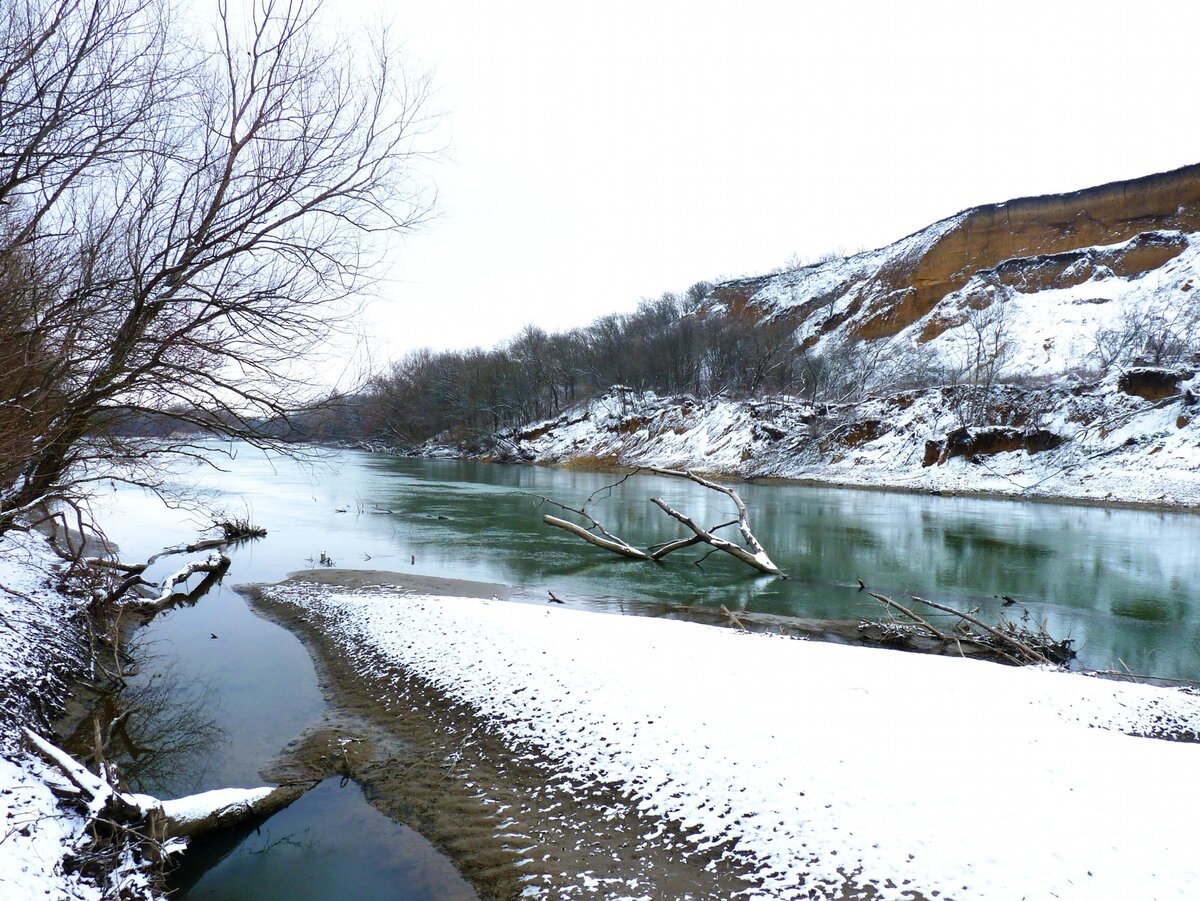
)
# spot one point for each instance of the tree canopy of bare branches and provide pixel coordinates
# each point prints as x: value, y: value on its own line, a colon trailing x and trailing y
x: 669, y: 345
x: 184, y: 215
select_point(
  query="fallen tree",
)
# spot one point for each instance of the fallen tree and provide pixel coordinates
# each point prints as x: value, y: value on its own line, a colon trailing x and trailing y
x: 124, y: 827
x: 752, y: 554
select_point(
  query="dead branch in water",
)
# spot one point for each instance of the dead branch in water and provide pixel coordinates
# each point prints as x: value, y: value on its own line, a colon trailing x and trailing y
x: 1028, y: 653
x: 616, y: 545
x: 733, y: 618
x: 214, y: 567
x: 605, y: 539
x: 753, y: 555
x: 758, y: 560
x: 1008, y: 642
x: 763, y: 561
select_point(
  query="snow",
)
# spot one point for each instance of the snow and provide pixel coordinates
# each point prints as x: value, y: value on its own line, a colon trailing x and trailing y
x: 824, y: 762
x: 34, y: 836
x: 1119, y: 448
x: 35, y: 623
x: 218, y: 802
x: 1053, y: 331
x: 38, y: 627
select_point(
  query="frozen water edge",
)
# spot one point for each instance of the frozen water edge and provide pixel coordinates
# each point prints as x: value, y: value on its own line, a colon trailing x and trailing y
x: 903, y: 771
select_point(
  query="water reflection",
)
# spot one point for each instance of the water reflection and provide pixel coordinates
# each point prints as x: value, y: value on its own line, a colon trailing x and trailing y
x: 1121, y: 582
x: 329, y: 844
x: 161, y: 731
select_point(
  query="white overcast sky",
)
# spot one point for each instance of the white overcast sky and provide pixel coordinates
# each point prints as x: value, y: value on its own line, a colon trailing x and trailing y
x: 600, y: 153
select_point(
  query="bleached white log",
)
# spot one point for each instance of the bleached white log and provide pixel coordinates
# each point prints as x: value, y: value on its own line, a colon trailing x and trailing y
x: 614, y: 545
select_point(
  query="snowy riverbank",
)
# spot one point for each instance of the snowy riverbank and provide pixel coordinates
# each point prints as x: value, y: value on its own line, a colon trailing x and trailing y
x: 44, y: 643
x: 48, y: 800
x: 1096, y: 445
x: 822, y: 765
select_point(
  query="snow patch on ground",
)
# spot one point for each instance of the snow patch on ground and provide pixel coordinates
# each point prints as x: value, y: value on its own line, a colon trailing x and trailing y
x: 827, y: 764
x: 35, y: 836
x: 40, y: 632
x: 36, y: 624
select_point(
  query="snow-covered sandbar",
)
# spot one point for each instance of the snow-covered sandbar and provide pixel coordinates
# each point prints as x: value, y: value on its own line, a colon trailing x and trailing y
x: 827, y: 766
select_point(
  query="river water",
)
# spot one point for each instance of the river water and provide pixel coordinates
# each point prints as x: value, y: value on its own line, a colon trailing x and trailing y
x: 1122, y: 583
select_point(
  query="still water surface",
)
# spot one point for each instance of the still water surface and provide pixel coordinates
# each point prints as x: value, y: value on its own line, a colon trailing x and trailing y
x: 1121, y: 582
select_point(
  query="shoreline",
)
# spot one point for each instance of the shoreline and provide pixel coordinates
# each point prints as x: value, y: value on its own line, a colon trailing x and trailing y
x: 509, y: 818
x: 573, y: 725
x: 595, y: 464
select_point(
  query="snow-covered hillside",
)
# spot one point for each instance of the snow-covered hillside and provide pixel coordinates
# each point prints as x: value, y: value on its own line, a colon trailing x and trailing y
x: 1098, y: 444
x: 1050, y: 272
x: 1046, y: 346
x: 1027, y: 318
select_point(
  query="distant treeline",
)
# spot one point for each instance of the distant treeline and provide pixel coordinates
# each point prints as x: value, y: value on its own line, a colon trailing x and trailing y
x: 682, y: 344
x: 667, y: 345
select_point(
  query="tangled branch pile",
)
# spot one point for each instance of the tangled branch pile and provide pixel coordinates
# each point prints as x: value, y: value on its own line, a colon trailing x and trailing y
x: 1018, y: 643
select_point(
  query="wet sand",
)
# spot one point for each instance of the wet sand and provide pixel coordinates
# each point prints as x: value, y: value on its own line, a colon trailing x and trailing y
x: 506, y: 816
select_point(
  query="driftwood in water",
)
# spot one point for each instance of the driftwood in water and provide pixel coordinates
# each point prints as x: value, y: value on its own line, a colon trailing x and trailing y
x: 1009, y: 642
x: 213, y: 566
x: 594, y: 533
x: 753, y: 554
x: 234, y: 532
x: 607, y: 541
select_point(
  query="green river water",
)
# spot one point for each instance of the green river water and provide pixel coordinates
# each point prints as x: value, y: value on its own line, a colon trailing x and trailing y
x: 1122, y: 583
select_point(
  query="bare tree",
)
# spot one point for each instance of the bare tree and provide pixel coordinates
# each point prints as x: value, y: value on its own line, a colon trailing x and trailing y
x: 1163, y: 331
x: 184, y: 220
x: 974, y: 360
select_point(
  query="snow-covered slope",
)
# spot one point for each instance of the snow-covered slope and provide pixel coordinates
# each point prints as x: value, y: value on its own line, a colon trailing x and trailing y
x: 1044, y: 346
x: 42, y: 648
x: 1055, y: 269
x: 1100, y: 444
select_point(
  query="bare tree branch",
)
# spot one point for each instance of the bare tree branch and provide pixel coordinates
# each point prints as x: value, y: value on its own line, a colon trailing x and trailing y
x: 182, y: 222
x: 756, y: 557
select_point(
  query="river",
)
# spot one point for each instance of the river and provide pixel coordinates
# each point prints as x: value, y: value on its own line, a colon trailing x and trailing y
x: 1120, y: 582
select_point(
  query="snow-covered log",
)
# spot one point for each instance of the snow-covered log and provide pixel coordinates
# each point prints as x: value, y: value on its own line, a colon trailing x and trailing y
x: 179, y: 818
x: 214, y: 565
x: 207, y: 811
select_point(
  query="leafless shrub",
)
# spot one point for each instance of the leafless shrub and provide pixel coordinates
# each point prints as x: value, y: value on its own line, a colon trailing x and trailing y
x: 1163, y: 332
